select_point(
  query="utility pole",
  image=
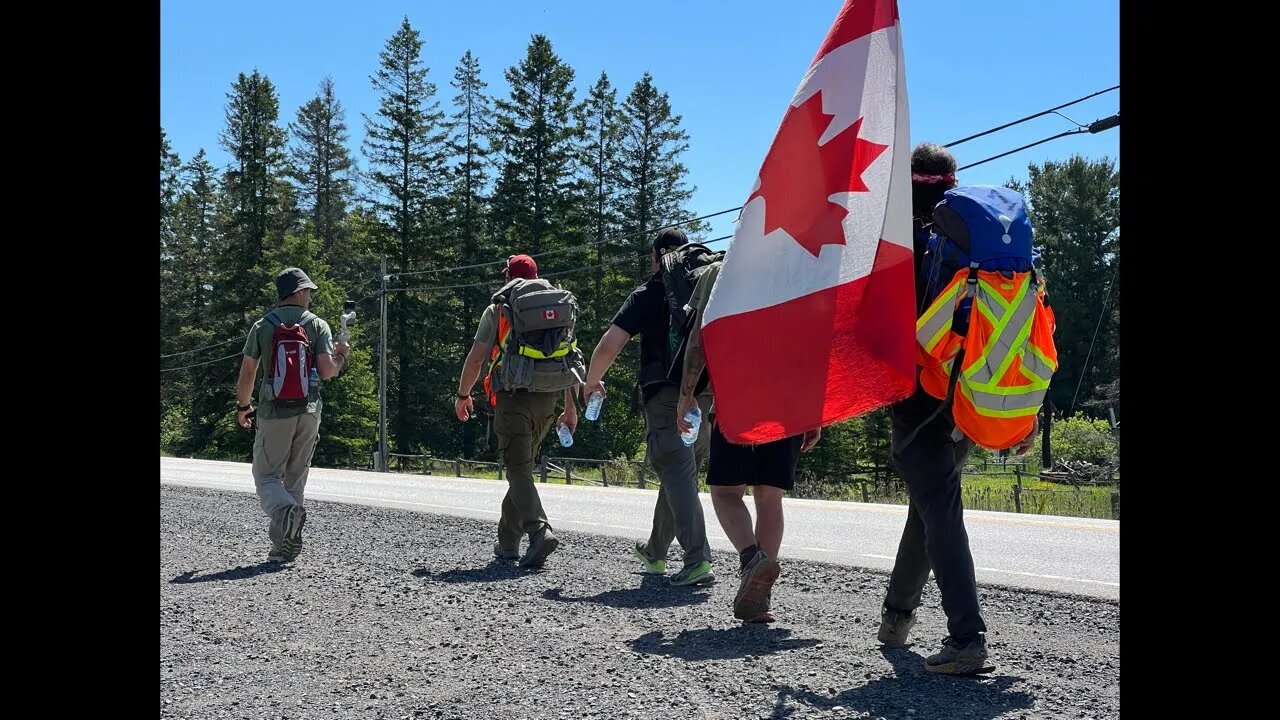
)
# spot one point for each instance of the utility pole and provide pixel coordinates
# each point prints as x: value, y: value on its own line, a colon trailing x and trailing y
x: 381, y: 459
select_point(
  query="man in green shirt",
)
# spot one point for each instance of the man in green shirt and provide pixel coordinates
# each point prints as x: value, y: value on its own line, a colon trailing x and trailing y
x: 289, y: 405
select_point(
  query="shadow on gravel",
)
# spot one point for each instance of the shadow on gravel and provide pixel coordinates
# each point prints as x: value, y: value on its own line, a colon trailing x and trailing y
x: 493, y: 572
x: 238, y: 572
x: 654, y: 592
x: 983, y: 697
x: 720, y: 643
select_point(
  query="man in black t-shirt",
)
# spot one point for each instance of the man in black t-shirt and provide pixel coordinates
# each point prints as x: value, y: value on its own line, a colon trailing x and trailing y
x: 678, y: 514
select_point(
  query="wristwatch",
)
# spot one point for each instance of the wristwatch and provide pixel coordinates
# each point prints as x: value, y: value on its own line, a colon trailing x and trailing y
x: 463, y: 397
x: 242, y: 408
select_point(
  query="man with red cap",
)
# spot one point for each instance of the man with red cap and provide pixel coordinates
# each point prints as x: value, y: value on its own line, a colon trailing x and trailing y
x: 527, y: 332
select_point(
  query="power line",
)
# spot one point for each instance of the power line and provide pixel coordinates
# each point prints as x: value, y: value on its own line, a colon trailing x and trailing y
x: 574, y: 247
x: 206, y: 347
x: 1096, y: 126
x: 544, y: 276
x: 1030, y: 117
x: 1105, y: 304
x: 206, y: 362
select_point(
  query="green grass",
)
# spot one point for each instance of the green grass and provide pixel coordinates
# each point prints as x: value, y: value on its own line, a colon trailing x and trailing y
x: 981, y: 491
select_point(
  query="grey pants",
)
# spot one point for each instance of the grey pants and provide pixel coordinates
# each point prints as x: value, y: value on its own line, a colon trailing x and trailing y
x: 282, y: 453
x: 678, y: 512
x: 521, y: 421
x: 934, y: 536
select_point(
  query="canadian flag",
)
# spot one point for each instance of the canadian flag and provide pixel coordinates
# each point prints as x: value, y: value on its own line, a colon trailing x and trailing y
x: 812, y: 318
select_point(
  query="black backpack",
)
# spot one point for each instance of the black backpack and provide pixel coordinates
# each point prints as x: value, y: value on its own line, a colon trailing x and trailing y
x: 681, y: 270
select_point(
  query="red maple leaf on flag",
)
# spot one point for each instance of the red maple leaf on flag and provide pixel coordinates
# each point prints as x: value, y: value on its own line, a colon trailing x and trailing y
x: 798, y: 176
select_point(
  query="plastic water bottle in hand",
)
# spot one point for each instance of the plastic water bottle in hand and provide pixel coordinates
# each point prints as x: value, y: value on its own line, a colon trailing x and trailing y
x: 566, y: 436
x: 594, y: 401
x: 694, y: 418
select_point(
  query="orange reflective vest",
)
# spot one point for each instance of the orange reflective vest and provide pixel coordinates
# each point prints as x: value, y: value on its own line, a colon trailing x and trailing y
x: 1007, y: 358
x: 495, y: 355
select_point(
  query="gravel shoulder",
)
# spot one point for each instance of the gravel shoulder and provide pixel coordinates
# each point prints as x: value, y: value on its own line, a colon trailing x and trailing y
x: 397, y: 614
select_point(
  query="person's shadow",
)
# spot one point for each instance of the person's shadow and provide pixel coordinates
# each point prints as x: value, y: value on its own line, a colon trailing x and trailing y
x: 654, y: 592
x: 720, y: 643
x: 981, y: 697
x: 495, y: 571
x: 239, y: 572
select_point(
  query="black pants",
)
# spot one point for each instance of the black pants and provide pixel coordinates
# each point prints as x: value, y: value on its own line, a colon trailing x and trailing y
x: 935, y: 535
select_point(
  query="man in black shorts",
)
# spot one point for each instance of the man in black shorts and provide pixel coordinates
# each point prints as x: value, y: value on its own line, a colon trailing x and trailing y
x: 770, y: 469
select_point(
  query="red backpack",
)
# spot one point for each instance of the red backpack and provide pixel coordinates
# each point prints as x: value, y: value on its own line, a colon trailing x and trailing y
x: 291, y: 360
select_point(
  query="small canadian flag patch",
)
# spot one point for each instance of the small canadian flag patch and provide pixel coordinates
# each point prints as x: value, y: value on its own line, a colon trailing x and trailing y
x: 549, y: 315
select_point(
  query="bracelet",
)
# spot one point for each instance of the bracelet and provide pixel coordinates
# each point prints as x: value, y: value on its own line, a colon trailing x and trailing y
x: 242, y: 408
x: 464, y: 397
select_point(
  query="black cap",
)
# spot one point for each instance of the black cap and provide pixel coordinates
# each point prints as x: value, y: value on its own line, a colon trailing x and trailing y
x: 291, y: 280
x: 669, y: 238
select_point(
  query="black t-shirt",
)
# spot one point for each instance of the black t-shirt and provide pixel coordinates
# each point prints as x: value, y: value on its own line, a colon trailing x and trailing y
x: 644, y: 313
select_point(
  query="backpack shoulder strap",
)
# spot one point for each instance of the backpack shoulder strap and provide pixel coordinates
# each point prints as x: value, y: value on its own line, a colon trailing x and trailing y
x: 274, y: 319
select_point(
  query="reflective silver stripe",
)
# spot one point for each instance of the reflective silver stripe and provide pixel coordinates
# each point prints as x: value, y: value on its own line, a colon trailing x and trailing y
x: 937, y: 319
x: 1014, y: 404
x: 1010, y: 337
x: 1032, y: 361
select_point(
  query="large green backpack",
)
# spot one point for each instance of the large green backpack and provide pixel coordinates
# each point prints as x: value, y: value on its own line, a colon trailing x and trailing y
x: 540, y: 353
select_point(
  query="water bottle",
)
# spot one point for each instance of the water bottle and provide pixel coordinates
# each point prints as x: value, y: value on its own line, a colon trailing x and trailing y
x: 694, y: 418
x: 566, y: 437
x: 313, y: 381
x: 594, y: 401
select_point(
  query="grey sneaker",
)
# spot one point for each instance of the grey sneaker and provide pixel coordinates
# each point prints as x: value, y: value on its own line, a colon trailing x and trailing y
x: 894, y: 626
x: 294, y: 519
x: 278, y: 554
x: 504, y: 554
x: 541, y: 544
x: 959, y: 659
x: 755, y: 587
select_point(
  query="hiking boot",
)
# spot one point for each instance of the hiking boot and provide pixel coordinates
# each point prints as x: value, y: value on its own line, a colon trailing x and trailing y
x: 504, y: 554
x: 754, y: 588
x: 894, y: 626
x: 699, y: 574
x: 959, y: 658
x: 651, y: 566
x: 541, y: 545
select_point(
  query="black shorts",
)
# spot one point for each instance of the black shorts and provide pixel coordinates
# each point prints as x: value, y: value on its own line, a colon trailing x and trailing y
x: 771, y: 464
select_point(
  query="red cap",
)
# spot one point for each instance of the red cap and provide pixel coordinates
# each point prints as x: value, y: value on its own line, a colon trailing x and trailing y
x: 522, y: 266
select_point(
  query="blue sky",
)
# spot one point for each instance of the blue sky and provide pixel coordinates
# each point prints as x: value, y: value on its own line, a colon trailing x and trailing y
x: 729, y: 67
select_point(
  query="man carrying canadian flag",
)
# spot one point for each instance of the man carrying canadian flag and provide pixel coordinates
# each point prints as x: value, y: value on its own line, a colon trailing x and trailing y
x: 812, y: 318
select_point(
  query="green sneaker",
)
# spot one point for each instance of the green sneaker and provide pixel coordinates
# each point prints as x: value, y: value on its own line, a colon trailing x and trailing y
x: 699, y: 574
x: 957, y: 659
x: 651, y: 566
